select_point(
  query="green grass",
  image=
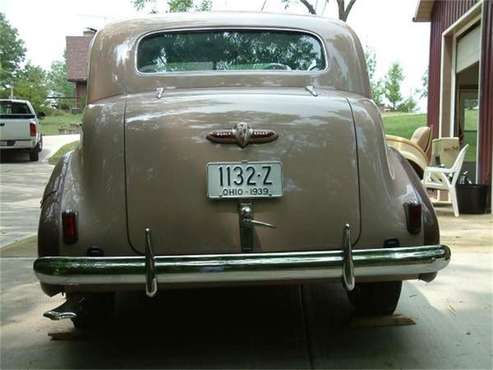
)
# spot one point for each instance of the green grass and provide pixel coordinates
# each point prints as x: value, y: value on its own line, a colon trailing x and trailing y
x: 470, y: 136
x: 50, y: 124
x: 62, y: 151
x: 471, y: 139
x: 403, y: 124
x: 472, y: 119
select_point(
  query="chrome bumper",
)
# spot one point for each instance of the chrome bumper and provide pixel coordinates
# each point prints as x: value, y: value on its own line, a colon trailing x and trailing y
x: 367, y: 264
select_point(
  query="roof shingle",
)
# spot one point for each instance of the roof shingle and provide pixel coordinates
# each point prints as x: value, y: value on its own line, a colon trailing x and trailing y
x: 77, y: 57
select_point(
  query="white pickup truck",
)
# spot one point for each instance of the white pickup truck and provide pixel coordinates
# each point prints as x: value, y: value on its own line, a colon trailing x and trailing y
x: 19, y: 127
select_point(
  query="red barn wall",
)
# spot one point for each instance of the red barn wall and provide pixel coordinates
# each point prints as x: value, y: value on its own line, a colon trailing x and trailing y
x: 486, y: 96
x: 444, y: 14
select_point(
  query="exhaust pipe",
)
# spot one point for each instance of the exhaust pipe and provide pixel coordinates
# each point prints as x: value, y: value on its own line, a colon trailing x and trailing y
x: 70, y: 309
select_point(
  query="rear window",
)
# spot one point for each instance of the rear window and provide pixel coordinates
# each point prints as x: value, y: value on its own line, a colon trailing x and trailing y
x: 10, y: 109
x: 230, y: 50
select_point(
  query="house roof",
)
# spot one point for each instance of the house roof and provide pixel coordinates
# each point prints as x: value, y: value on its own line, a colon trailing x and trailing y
x: 423, y: 11
x: 77, y: 57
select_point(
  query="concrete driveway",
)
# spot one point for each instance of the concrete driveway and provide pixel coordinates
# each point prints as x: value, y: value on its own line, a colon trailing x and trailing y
x: 309, y: 326
x: 21, y: 186
x: 444, y: 324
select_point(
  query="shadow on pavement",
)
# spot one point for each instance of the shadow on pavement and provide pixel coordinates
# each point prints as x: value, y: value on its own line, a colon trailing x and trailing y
x: 241, y: 327
x: 14, y: 156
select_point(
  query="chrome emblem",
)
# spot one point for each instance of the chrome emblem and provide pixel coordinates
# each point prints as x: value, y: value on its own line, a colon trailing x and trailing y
x: 242, y: 134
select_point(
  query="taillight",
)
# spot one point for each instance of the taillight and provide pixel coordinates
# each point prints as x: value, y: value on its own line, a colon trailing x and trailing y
x: 69, y: 226
x: 413, y: 217
x: 32, y: 128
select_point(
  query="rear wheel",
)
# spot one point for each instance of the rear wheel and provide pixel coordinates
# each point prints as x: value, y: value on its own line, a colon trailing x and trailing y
x: 376, y: 298
x: 34, y: 154
x: 97, y: 310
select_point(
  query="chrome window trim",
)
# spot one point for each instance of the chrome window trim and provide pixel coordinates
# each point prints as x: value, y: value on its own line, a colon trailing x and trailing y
x: 238, y: 72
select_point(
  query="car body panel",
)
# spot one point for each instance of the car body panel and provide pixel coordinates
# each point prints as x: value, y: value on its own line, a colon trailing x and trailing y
x: 113, y: 55
x: 171, y: 133
x: 137, y: 184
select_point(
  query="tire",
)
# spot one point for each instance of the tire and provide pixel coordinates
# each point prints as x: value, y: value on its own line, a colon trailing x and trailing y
x: 34, y: 154
x: 40, y: 144
x: 97, y: 310
x: 375, y: 298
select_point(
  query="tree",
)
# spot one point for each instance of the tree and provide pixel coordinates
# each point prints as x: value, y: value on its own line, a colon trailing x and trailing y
x: 57, y: 79
x: 408, y: 105
x: 424, y: 81
x: 392, y: 85
x: 343, y: 10
x: 178, y: 5
x: 204, y: 6
x: 376, y: 85
x: 12, y: 51
x: 31, y: 85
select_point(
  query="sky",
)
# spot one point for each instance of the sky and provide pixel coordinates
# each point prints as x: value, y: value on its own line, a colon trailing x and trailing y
x: 383, y: 25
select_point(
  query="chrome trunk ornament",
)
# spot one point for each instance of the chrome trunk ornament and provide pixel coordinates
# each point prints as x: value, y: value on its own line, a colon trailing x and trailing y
x: 242, y: 134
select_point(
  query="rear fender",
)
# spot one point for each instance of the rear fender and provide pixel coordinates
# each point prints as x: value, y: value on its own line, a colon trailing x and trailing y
x: 387, y: 182
x: 94, y: 185
x: 430, y: 222
x: 49, y: 221
x: 49, y: 229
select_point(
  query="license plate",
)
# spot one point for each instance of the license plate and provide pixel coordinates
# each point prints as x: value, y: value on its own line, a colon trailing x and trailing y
x: 244, y: 180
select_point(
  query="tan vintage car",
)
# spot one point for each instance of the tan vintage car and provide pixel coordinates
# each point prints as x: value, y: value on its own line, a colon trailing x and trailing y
x: 231, y: 148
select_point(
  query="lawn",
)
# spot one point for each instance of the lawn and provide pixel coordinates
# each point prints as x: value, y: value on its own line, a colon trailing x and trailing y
x: 471, y: 134
x: 403, y: 124
x: 50, y: 124
x: 61, y: 152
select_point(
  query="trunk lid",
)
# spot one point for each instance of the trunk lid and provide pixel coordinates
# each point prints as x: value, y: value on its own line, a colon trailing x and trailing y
x: 167, y: 153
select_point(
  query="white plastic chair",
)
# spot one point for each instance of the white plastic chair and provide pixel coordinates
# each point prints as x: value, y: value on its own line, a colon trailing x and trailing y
x: 442, y: 178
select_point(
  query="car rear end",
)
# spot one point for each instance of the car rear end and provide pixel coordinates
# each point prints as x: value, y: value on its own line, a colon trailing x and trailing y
x: 19, y: 127
x: 239, y: 154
